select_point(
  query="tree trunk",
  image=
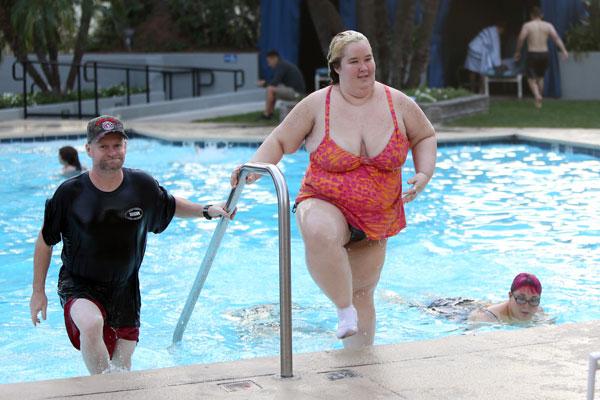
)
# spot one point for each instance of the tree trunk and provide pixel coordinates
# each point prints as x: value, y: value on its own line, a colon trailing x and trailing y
x: 87, y: 8
x: 52, y: 41
x: 423, y: 37
x: 401, y: 41
x: 327, y: 21
x: 367, y: 25
x: 383, y: 39
x: 39, y: 50
x: 16, y: 46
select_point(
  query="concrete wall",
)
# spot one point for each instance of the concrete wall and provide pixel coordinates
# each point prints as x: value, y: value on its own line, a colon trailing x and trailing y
x: 579, y: 76
x: 191, y: 104
x: 447, y: 110
x: 70, y: 109
x: 223, y: 82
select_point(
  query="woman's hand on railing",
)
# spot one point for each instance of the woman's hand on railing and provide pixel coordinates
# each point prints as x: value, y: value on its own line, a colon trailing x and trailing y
x: 235, y: 174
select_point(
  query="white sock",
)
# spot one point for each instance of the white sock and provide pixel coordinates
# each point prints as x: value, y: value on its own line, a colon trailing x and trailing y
x: 347, y: 322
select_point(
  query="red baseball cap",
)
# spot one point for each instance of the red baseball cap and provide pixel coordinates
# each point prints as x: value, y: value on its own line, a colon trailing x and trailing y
x: 102, y: 125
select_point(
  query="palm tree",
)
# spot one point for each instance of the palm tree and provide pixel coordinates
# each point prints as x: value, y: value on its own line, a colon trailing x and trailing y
x: 45, y: 28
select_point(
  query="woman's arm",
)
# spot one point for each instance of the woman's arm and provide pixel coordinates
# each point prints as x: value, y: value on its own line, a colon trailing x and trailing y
x: 423, y: 143
x: 287, y: 137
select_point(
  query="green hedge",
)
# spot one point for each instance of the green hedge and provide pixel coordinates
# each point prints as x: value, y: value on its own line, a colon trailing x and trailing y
x: 431, y: 95
x: 585, y: 35
x: 13, y: 100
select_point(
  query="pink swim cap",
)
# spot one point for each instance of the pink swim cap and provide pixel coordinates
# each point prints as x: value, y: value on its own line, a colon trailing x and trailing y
x: 525, y: 279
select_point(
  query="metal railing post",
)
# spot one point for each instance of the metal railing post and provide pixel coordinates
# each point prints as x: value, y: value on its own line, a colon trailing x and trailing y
x: 594, y: 358
x: 96, y: 108
x: 194, y: 83
x: 127, y: 86
x: 147, y: 72
x: 79, y: 91
x: 24, y: 90
x: 285, y: 281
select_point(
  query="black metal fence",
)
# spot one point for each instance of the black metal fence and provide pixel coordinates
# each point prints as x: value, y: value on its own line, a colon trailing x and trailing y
x: 198, y: 78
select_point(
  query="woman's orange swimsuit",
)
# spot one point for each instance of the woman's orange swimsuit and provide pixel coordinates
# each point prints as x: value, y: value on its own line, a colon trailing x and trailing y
x: 367, y: 190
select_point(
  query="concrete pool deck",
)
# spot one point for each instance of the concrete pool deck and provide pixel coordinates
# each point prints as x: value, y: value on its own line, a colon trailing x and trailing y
x: 547, y: 362
x: 175, y: 131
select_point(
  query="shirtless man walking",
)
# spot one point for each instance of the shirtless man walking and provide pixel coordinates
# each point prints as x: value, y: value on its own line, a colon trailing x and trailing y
x: 536, y: 32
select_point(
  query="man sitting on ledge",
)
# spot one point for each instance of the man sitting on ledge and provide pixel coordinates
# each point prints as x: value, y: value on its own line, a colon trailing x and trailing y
x: 287, y: 83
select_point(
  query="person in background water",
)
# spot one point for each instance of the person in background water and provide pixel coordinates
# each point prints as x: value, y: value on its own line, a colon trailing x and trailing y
x: 103, y: 217
x: 69, y: 159
x: 536, y: 32
x: 522, y: 305
x: 358, y: 132
x: 287, y: 83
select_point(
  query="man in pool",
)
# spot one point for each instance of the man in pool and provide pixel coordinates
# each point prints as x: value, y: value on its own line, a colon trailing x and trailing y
x: 522, y: 304
x: 103, y: 217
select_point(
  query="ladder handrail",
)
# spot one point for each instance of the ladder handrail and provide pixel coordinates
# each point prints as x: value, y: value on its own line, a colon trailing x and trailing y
x: 285, y: 293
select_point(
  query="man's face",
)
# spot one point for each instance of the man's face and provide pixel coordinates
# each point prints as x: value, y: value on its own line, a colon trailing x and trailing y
x: 272, y: 61
x: 108, y: 153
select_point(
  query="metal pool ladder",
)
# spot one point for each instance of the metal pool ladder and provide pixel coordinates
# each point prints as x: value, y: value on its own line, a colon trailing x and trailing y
x: 593, y: 367
x: 285, y: 295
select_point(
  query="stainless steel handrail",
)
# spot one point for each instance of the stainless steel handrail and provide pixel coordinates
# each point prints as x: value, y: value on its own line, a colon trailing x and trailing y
x: 285, y: 281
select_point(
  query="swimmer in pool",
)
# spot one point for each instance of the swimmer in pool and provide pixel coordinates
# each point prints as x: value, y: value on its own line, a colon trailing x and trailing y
x: 523, y: 303
x: 69, y: 159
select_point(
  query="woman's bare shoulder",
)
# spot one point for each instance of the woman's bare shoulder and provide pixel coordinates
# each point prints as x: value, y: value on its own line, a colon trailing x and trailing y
x: 399, y: 97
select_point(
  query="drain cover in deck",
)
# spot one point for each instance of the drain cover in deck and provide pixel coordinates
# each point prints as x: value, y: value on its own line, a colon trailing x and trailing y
x: 340, y: 374
x: 240, y: 386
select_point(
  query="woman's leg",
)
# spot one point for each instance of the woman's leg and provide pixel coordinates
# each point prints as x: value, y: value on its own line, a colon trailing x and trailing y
x: 325, y: 232
x: 366, y: 261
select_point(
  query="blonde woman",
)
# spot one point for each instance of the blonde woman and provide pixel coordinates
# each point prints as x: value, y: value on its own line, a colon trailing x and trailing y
x: 358, y: 133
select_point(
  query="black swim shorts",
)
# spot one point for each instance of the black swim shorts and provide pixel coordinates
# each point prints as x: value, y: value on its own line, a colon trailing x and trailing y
x: 537, y: 63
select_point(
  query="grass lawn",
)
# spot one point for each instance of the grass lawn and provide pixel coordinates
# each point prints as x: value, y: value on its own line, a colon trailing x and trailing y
x: 503, y: 113
x: 248, y: 119
x: 522, y: 113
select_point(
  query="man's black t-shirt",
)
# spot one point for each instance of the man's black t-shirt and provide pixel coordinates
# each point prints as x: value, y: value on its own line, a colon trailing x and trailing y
x: 104, y: 238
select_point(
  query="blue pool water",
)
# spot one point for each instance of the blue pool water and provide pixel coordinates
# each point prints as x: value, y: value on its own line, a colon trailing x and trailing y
x: 490, y: 212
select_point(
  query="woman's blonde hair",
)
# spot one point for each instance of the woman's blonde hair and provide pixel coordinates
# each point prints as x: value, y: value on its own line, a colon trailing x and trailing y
x: 336, y: 50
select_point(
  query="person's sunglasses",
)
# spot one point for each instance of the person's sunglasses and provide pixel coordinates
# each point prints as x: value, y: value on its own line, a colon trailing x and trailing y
x: 520, y: 300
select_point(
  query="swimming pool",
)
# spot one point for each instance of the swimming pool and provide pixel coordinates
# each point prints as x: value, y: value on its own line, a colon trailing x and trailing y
x: 491, y: 211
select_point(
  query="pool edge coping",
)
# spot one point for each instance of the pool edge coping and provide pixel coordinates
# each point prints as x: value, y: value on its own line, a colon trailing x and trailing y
x: 479, y: 365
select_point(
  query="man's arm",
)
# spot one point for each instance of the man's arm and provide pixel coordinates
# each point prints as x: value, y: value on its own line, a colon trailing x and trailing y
x: 41, y: 263
x: 558, y: 42
x: 520, y: 41
x: 277, y: 75
x: 188, y: 209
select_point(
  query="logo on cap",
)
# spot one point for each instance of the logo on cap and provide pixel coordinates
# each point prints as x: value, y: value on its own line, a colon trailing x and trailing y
x: 108, y: 126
